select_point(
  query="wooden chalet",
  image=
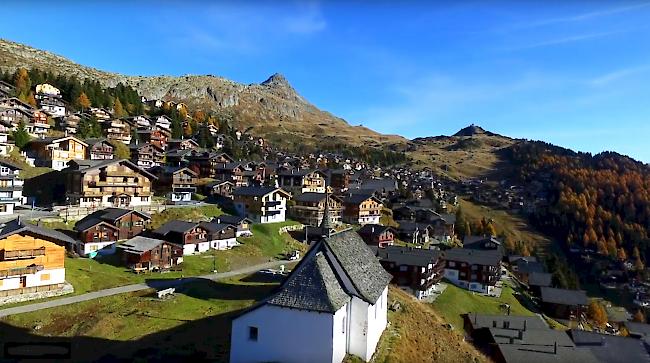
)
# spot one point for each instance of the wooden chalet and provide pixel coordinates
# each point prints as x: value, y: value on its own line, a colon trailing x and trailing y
x: 150, y: 254
x: 377, y: 235
x: 32, y: 258
x: 109, y: 183
x: 415, y: 270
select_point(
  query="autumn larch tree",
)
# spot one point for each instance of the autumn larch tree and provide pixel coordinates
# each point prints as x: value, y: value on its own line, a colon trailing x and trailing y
x: 597, y: 313
x: 118, y: 109
x: 83, y: 102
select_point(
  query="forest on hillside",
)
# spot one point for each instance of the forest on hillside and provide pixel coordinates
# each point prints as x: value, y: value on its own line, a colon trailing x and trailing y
x: 599, y: 202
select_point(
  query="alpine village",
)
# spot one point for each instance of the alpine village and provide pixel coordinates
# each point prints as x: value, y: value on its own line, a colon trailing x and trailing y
x: 142, y: 224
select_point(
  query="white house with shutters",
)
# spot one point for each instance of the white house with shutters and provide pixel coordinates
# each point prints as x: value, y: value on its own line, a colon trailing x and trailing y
x: 332, y: 304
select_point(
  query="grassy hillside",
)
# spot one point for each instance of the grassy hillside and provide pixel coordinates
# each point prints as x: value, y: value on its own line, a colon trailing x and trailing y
x: 513, y: 226
x: 417, y: 334
x: 460, y: 157
x: 456, y: 301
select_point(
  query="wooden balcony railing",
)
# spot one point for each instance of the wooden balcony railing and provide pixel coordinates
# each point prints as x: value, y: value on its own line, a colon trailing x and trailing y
x: 22, y: 254
x: 20, y: 271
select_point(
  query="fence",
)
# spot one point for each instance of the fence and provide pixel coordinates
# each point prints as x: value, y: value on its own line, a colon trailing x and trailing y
x: 75, y: 213
x: 295, y: 227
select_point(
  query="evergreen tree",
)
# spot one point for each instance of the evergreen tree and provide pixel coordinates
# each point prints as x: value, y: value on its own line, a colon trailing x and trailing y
x: 89, y: 128
x: 176, y: 126
x: 21, y: 137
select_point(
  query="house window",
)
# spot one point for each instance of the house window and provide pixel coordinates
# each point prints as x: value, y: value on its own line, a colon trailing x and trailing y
x: 93, y: 248
x: 45, y: 277
x: 452, y: 264
x: 403, y: 268
x: 253, y: 333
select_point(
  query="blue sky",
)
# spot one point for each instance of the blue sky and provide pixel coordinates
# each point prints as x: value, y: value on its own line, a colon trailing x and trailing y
x: 574, y: 73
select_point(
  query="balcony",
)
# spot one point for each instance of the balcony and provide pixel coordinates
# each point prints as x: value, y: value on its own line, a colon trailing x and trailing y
x: 22, y: 254
x: 272, y: 204
x: 20, y: 271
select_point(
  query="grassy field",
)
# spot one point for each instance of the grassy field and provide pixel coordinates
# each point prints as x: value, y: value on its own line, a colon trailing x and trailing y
x: 195, y: 323
x: 455, y: 301
x: 267, y: 244
x: 104, y: 272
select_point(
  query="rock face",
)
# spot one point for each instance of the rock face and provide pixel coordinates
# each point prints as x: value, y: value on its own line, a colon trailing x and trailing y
x: 273, y: 108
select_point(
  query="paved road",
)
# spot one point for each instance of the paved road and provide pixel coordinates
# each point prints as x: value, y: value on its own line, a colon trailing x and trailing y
x: 157, y: 284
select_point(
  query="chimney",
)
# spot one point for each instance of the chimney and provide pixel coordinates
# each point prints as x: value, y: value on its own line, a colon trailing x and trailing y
x: 520, y: 335
x: 19, y: 222
x: 555, y: 348
x: 525, y: 321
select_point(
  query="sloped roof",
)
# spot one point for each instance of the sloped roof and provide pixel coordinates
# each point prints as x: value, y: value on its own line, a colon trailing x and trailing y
x: 107, y: 215
x: 515, y: 322
x: 335, y: 269
x: 373, y: 229
x: 228, y: 219
x: 611, y: 348
x: 89, y: 165
x: 408, y: 256
x: 140, y: 244
x: 540, y: 279
x: 87, y: 223
x: 213, y: 227
x: 17, y: 226
x: 359, y: 264
x: 358, y: 198
x: 175, y: 226
x: 564, y: 297
x: 475, y: 257
x: 313, y: 285
x: 257, y: 191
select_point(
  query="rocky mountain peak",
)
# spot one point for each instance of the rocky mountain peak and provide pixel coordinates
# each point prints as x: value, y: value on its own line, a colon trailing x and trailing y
x: 277, y: 80
x: 472, y: 130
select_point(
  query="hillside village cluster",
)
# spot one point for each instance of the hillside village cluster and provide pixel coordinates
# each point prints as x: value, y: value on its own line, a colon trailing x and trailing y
x: 366, y: 227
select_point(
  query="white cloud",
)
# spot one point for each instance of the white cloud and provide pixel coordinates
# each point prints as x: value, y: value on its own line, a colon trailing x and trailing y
x: 567, y: 39
x: 583, y: 16
x: 618, y: 74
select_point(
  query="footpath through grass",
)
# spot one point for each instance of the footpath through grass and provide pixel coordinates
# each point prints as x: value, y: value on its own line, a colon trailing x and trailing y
x: 194, y: 323
x: 455, y: 301
x: 104, y: 272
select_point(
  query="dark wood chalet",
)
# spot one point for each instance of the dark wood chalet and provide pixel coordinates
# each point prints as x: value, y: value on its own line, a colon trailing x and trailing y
x: 146, y: 155
x: 191, y: 236
x: 204, y: 163
x: 377, y: 235
x: 220, y: 188
x: 415, y: 270
x: 563, y: 303
x: 178, y: 182
x: 156, y: 137
x: 475, y: 270
x: 146, y: 254
x: 129, y: 223
x: 99, y: 149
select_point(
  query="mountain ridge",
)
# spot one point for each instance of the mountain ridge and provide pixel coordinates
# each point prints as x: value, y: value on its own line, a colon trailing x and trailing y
x: 273, y: 107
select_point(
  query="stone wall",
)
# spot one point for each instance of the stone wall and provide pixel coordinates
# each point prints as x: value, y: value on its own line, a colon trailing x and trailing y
x: 64, y: 290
